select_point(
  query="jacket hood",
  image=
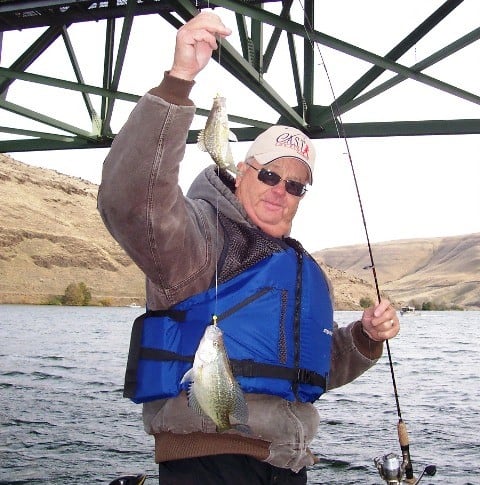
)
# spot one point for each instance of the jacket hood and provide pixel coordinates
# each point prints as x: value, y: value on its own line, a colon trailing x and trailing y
x: 217, y: 187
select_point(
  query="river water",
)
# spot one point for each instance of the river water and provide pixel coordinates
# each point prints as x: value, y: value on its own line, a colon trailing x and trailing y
x: 63, y: 419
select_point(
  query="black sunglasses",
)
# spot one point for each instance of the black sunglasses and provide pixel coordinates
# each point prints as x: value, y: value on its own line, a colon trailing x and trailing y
x: 271, y: 178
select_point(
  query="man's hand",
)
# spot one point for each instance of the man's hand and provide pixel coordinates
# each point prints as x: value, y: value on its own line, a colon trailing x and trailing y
x: 380, y: 322
x: 196, y: 41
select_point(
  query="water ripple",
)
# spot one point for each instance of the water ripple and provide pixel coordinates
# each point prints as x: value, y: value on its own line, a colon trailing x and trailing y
x: 64, y: 420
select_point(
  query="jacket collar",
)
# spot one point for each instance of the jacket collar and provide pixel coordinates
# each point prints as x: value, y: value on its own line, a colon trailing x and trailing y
x: 217, y: 187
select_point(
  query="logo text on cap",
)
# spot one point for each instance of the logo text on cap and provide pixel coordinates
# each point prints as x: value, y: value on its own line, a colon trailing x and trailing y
x: 294, y: 142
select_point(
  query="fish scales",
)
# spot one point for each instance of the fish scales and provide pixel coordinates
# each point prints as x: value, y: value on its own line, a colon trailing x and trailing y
x: 213, y: 390
x: 215, y: 137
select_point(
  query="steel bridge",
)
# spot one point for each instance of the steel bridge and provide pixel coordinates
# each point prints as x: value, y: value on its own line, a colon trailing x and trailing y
x: 263, y: 31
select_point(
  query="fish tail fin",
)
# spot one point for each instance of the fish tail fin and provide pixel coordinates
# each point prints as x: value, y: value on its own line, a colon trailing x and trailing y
x: 240, y: 428
x: 223, y: 428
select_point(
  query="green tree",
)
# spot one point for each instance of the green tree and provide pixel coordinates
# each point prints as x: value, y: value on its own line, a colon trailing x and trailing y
x: 54, y: 300
x: 76, y: 294
x: 427, y: 306
x: 87, y: 296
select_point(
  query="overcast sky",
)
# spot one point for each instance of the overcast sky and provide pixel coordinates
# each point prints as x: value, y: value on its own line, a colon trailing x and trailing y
x: 411, y: 187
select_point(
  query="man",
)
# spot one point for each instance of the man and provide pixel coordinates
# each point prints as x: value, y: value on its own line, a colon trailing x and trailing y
x: 229, y: 235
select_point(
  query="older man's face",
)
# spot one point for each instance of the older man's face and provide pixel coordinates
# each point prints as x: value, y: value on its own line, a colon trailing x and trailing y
x: 270, y: 208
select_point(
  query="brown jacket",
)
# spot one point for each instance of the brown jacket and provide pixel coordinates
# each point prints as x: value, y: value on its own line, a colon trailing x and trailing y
x: 175, y: 240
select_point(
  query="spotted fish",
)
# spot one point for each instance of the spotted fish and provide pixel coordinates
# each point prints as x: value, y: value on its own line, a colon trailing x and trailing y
x: 213, y: 391
x: 215, y: 137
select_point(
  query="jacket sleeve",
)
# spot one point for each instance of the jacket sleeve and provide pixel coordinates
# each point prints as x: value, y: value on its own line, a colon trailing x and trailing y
x: 353, y: 353
x: 141, y: 202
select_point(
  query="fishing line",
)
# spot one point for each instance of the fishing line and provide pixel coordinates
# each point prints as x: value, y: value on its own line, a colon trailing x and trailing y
x: 216, y: 239
x: 217, y: 198
x: 341, y: 133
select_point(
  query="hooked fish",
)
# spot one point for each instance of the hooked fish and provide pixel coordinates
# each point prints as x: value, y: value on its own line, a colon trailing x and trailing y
x: 215, y: 137
x: 213, y: 391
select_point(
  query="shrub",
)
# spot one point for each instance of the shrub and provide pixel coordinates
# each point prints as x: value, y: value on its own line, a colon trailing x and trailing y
x: 54, y: 300
x: 76, y: 294
x: 366, y: 302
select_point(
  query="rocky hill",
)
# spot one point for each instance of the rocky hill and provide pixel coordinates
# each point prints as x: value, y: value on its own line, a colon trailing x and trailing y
x: 51, y: 235
x: 444, y: 270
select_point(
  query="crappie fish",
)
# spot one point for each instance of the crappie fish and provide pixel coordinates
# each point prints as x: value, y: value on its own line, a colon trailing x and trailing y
x: 213, y: 390
x: 214, y: 138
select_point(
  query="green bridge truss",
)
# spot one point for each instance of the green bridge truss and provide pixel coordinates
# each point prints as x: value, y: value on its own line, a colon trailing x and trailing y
x: 261, y: 31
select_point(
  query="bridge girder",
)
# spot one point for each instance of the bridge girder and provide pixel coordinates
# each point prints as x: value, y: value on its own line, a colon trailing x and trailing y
x: 264, y: 31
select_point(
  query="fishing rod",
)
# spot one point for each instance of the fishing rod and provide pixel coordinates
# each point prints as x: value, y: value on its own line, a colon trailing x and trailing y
x: 389, y: 466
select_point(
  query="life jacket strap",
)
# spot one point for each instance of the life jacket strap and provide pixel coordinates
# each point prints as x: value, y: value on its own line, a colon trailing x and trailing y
x: 179, y: 316
x: 250, y: 368
x: 246, y: 368
x: 160, y: 354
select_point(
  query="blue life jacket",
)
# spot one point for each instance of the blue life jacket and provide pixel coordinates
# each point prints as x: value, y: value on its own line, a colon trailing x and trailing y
x: 276, y: 318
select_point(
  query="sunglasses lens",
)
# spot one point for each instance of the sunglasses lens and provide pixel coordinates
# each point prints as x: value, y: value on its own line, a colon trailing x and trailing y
x: 295, y: 188
x: 269, y: 178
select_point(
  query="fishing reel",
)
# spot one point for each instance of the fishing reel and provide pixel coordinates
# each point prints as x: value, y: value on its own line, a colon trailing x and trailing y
x: 392, y: 470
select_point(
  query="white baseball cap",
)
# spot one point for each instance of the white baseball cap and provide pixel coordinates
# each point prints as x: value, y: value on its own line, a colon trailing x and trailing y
x: 283, y: 141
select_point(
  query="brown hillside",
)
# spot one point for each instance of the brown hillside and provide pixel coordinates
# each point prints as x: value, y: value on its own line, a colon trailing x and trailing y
x: 442, y: 270
x: 51, y: 235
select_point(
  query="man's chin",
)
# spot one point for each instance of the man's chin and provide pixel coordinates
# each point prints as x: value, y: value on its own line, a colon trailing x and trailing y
x: 274, y: 228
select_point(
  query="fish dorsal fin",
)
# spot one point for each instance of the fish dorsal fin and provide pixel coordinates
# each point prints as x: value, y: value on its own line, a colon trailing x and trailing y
x: 188, y: 376
x: 201, y: 141
x: 239, y: 412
